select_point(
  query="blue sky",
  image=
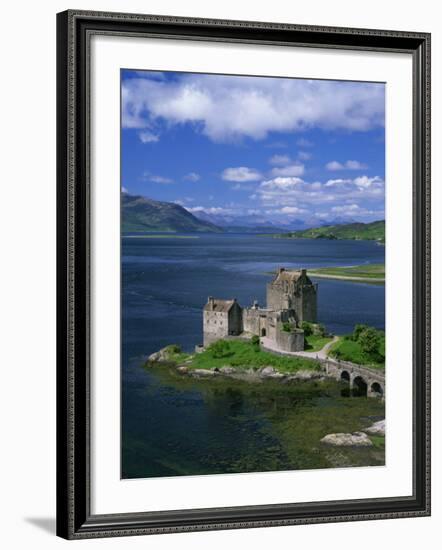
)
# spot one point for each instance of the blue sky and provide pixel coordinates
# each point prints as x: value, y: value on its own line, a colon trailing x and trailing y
x: 275, y: 149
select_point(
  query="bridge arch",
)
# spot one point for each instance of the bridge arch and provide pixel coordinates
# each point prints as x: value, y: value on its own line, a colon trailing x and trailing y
x: 359, y: 386
x: 345, y: 376
x: 377, y: 389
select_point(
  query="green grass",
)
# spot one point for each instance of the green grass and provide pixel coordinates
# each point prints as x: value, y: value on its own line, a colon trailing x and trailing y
x: 349, y: 350
x: 368, y: 271
x: 378, y: 441
x: 356, y: 231
x: 316, y: 342
x: 240, y: 354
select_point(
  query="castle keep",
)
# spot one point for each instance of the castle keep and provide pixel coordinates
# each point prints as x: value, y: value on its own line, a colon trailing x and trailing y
x: 291, y: 299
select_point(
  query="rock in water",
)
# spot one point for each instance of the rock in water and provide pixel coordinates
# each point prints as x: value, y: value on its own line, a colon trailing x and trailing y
x: 356, y: 439
x: 378, y: 428
x: 266, y: 371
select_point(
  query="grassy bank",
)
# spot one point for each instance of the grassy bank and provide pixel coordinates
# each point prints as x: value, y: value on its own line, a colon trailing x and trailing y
x: 239, y: 354
x: 373, y: 273
x: 365, y: 346
x: 316, y: 342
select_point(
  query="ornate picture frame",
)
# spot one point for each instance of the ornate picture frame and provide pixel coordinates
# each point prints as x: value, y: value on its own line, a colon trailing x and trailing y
x: 75, y: 519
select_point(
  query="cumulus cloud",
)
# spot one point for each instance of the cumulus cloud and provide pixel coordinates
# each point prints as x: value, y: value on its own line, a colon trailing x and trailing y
x: 148, y: 137
x: 210, y: 210
x: 279, y: 160
x: 226, y: 108
x: 296, y: 169
x: 192, y: 176
x: 291, y: 210
x: 147, y: 176
x: 334, y: 165
x: 240, y: 174
x: 366, y: 182
x: 282, y: 183
x: 124, y: 189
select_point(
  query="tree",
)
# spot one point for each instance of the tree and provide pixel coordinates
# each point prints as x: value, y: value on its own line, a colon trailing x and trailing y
x: 357, y: 331
x: 369, y: 340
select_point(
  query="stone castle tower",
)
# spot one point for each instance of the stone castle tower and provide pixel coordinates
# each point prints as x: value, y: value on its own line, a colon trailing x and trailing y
x: 293, y: 290
x: 291, y: 299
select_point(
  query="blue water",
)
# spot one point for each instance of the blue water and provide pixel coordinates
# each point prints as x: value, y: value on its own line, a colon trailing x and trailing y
x: 165, y: 283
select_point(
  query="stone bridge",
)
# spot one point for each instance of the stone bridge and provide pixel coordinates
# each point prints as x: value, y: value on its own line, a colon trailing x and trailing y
x: 365, y: 380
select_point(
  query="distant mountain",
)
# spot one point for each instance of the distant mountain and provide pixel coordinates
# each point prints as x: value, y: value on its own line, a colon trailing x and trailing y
x: 359, y: 231
x: 251, y: 223
x: 143, y: 214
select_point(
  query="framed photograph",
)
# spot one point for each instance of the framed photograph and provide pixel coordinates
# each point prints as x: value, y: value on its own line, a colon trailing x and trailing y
x: 243, y: 274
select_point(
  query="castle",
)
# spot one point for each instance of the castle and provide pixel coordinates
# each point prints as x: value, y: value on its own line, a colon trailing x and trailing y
x: 291, y: 299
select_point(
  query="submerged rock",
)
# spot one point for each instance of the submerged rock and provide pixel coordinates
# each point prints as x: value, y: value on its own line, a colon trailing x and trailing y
x: 202, y: 372
x: 266, y: 371
x: 306, y: 375
x: 227, y: 370
x: 378, y: 428
x: 356, y: 439
x: 163, y: 354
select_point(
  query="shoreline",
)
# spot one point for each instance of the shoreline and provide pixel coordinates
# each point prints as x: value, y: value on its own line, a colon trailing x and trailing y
x: 371, y: 280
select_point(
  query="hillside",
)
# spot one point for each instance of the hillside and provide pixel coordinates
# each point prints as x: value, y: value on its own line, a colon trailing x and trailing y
x: 374, y: 231
x: 143, y: 214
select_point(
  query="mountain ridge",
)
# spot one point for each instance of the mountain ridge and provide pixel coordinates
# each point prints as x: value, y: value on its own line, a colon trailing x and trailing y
x: 141, y: 214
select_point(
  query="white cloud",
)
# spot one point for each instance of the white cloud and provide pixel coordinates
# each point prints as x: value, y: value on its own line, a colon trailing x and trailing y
x: 346, y: 208
x: 334, y: 165
x: 365, y: 181
x: 290, y: 170
x: 192, y: 176
x: 148, y: 137
x: 347, y: 165
x: 282, y: 183
x: 355, y: 165
x: 124, y: 189
x: 241, y: 174
x: 155, y: 178
x: 210, y: 210
x: 226, y: 108
x: 337, y: 182
x: 279, y: 160
x: 291, y: 210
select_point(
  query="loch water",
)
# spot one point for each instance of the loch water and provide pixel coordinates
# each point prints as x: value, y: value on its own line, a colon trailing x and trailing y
x: 172, y: 425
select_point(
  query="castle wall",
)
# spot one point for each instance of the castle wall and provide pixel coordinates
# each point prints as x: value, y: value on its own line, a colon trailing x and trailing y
x: 290, y: 341
x: 216, y: 326
x: 276, y: 298
x: 235, y: 318
x: 309, y: 304
x: 220, y: 324
x: 251, y: 321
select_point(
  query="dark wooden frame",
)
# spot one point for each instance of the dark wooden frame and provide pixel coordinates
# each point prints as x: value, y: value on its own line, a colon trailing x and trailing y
x: 74, y: 519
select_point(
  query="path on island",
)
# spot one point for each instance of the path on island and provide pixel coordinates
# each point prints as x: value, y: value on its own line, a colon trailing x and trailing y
x: 321, y: 355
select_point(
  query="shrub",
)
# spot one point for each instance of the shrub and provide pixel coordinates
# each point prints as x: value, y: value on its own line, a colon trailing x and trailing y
x: 220, y: 349
x: 255, y: 340
x: 287, y: 327
x: 307, y: 328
